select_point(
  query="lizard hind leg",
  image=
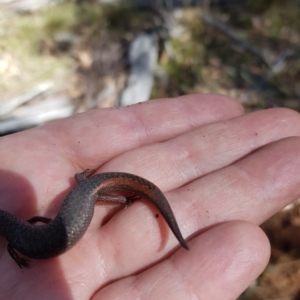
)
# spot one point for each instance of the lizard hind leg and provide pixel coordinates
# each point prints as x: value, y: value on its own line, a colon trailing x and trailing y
x: 21, y: 262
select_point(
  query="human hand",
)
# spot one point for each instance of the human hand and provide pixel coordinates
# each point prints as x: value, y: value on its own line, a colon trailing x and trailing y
x: 221, y: 170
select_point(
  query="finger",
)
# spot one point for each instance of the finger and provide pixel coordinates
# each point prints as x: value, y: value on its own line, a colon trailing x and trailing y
x: 99, y: 135
x: 252, y: 189
x: 222, y: 262
x: 184, y: 158
x: 91, y: 138
x: 48, y: 156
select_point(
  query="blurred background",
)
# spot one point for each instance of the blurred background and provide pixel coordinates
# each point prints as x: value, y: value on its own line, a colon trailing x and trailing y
x: 58, y: 58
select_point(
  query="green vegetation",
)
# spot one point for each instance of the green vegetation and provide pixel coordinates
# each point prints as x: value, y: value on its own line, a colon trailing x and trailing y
x: 203, y: 59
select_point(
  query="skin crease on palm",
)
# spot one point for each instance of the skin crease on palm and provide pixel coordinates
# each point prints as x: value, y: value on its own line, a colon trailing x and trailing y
x: 224, y: 173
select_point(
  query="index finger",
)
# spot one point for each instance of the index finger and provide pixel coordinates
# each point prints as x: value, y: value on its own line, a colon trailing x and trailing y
x: 48, y: 156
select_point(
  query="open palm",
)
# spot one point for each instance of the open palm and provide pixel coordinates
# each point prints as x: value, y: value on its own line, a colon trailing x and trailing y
x: 223, y: 172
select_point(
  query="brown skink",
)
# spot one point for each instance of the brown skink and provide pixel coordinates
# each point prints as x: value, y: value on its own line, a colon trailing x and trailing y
x: 71, y: 222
